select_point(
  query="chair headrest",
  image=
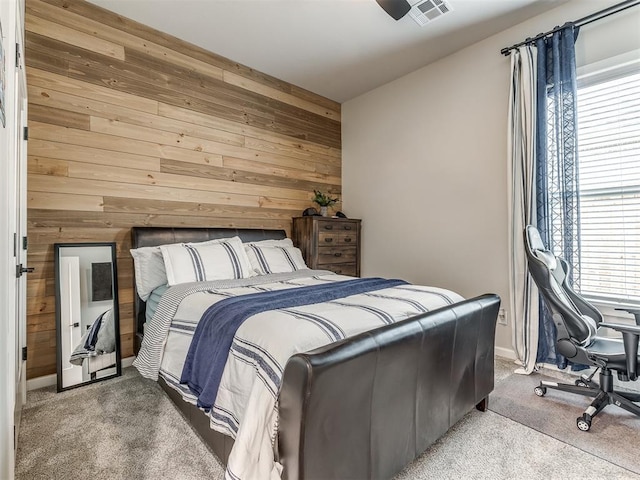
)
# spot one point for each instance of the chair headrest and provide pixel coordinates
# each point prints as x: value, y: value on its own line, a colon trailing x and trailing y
x: 536, y: 246
x: 533, y: 236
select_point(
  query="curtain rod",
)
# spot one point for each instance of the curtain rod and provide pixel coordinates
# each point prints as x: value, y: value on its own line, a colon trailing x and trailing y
x: 619, y: 7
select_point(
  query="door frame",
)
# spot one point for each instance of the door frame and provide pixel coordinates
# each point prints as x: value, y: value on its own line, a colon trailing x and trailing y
x: 20, y: 225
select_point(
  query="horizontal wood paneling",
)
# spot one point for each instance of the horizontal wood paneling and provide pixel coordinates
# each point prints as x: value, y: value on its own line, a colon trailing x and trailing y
x: 129, y: 126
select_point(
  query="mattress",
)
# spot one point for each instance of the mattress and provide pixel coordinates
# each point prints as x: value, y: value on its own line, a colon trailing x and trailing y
x: 100, y: 362
x: 153, y: 300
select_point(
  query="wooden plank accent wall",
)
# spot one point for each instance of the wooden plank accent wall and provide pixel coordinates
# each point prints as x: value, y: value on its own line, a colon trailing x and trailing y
x: 129, y: 126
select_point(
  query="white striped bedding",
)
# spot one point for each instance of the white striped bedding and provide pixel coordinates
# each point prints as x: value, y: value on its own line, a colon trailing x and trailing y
x: 246, y: 404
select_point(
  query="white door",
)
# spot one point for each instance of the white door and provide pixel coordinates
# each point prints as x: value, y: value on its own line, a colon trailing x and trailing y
x: 20, y: 234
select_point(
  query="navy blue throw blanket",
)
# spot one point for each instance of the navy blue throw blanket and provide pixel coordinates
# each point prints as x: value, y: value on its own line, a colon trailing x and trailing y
x: 213, y: 337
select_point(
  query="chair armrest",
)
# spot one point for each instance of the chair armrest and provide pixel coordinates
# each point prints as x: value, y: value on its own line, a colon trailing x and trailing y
x: 630, y: 338
x: 633, y: 311
x: 618, y: 327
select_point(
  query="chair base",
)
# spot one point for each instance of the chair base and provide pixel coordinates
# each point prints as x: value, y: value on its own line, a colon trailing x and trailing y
x: 603, y: 392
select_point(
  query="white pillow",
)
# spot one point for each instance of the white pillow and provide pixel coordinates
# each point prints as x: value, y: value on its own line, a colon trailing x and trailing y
x: 189, y: 262
x: 274, y: 258
x: 149, y: 268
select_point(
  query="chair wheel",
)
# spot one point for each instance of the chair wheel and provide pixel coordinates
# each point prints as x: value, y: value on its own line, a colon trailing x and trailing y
x: 580, y: 383
x: 540, y: 391
x: 583, y: 423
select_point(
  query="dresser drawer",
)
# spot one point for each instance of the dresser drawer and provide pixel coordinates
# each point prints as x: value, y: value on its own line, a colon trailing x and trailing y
x: 350, y: 269
x: 336, y: 226
x: 340, y: 237
x: 337, y: 254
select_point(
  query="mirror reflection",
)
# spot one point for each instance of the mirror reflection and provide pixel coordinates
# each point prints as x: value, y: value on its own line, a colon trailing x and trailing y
x: 86, y: 313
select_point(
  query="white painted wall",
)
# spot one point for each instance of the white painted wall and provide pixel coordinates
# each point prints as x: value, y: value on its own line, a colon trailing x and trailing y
x: 425, y: 159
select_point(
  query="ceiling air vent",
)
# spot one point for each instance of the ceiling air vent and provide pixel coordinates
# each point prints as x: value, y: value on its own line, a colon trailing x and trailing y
x: 425, y: 11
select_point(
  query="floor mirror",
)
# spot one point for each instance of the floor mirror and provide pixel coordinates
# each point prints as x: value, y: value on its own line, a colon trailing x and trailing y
x: 87, y: 315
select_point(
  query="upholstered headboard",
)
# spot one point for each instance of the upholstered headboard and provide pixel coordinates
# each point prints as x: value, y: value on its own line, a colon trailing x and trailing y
x: 154, y: 236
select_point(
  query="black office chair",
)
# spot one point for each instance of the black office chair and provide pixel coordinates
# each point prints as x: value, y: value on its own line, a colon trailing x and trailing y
x: 578, y: 324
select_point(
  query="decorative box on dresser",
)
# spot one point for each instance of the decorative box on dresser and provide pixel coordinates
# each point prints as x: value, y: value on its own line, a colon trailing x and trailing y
x: 329, y: 243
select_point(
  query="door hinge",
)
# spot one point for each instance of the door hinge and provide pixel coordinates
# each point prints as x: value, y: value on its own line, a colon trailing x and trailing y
x: 24, y: 354
x: 25, y: 243
x: 20, y: 270
x: 18, y: 55
x: 25, y: 133
x: 15, y: 244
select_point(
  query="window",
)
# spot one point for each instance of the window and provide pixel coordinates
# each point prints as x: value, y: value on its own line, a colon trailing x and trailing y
x: 609, y: 183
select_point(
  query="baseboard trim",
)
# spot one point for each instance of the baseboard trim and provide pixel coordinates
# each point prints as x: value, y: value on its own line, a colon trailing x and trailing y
x: 41, y: 382
x: 506, y: 353
x: 48, y: 380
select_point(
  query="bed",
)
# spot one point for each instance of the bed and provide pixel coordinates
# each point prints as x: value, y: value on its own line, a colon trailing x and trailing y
x: 363, y: 406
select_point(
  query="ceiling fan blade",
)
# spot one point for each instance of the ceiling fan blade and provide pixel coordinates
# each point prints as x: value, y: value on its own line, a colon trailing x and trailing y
x: 395, y: 8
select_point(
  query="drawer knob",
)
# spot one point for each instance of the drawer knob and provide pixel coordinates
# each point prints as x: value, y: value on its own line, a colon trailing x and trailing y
x: 347, y: 240
x: 328, y: 227
x: 328, y: 240
x: 347, y: 227
x: 338, y: 254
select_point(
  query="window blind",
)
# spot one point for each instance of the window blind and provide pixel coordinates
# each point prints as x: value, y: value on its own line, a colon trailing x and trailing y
x: 609, y: 173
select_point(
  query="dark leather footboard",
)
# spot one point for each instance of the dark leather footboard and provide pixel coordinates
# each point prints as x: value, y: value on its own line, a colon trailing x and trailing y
x: 366, y: 407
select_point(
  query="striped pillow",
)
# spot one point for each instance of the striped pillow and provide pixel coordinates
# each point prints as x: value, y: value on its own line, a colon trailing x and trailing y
x: 188, y: 262
x: 274, y: 258
x: 285, y: 242
x: 149, y: 268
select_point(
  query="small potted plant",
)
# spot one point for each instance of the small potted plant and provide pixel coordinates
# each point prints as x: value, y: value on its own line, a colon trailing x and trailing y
x: 324, y: 201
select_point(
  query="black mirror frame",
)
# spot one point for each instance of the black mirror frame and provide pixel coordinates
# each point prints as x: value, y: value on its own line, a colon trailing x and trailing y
x: 116, y: 311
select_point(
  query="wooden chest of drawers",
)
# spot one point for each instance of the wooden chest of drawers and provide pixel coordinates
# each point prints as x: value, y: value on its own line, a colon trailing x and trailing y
x: 329, y: 243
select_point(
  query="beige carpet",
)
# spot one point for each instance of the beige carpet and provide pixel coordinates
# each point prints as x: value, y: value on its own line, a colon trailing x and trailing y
x: 124, y: 428
x: 612, y: 433
x: 127, y: 428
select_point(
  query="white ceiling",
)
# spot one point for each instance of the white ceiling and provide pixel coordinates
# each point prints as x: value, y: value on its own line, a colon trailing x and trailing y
x: 336, y: 48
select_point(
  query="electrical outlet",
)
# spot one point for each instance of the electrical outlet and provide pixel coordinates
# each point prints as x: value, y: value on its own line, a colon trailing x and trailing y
x: 502, y: 317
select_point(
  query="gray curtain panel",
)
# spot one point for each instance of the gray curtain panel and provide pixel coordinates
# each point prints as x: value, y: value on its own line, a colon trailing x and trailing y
x: 522, y: 292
